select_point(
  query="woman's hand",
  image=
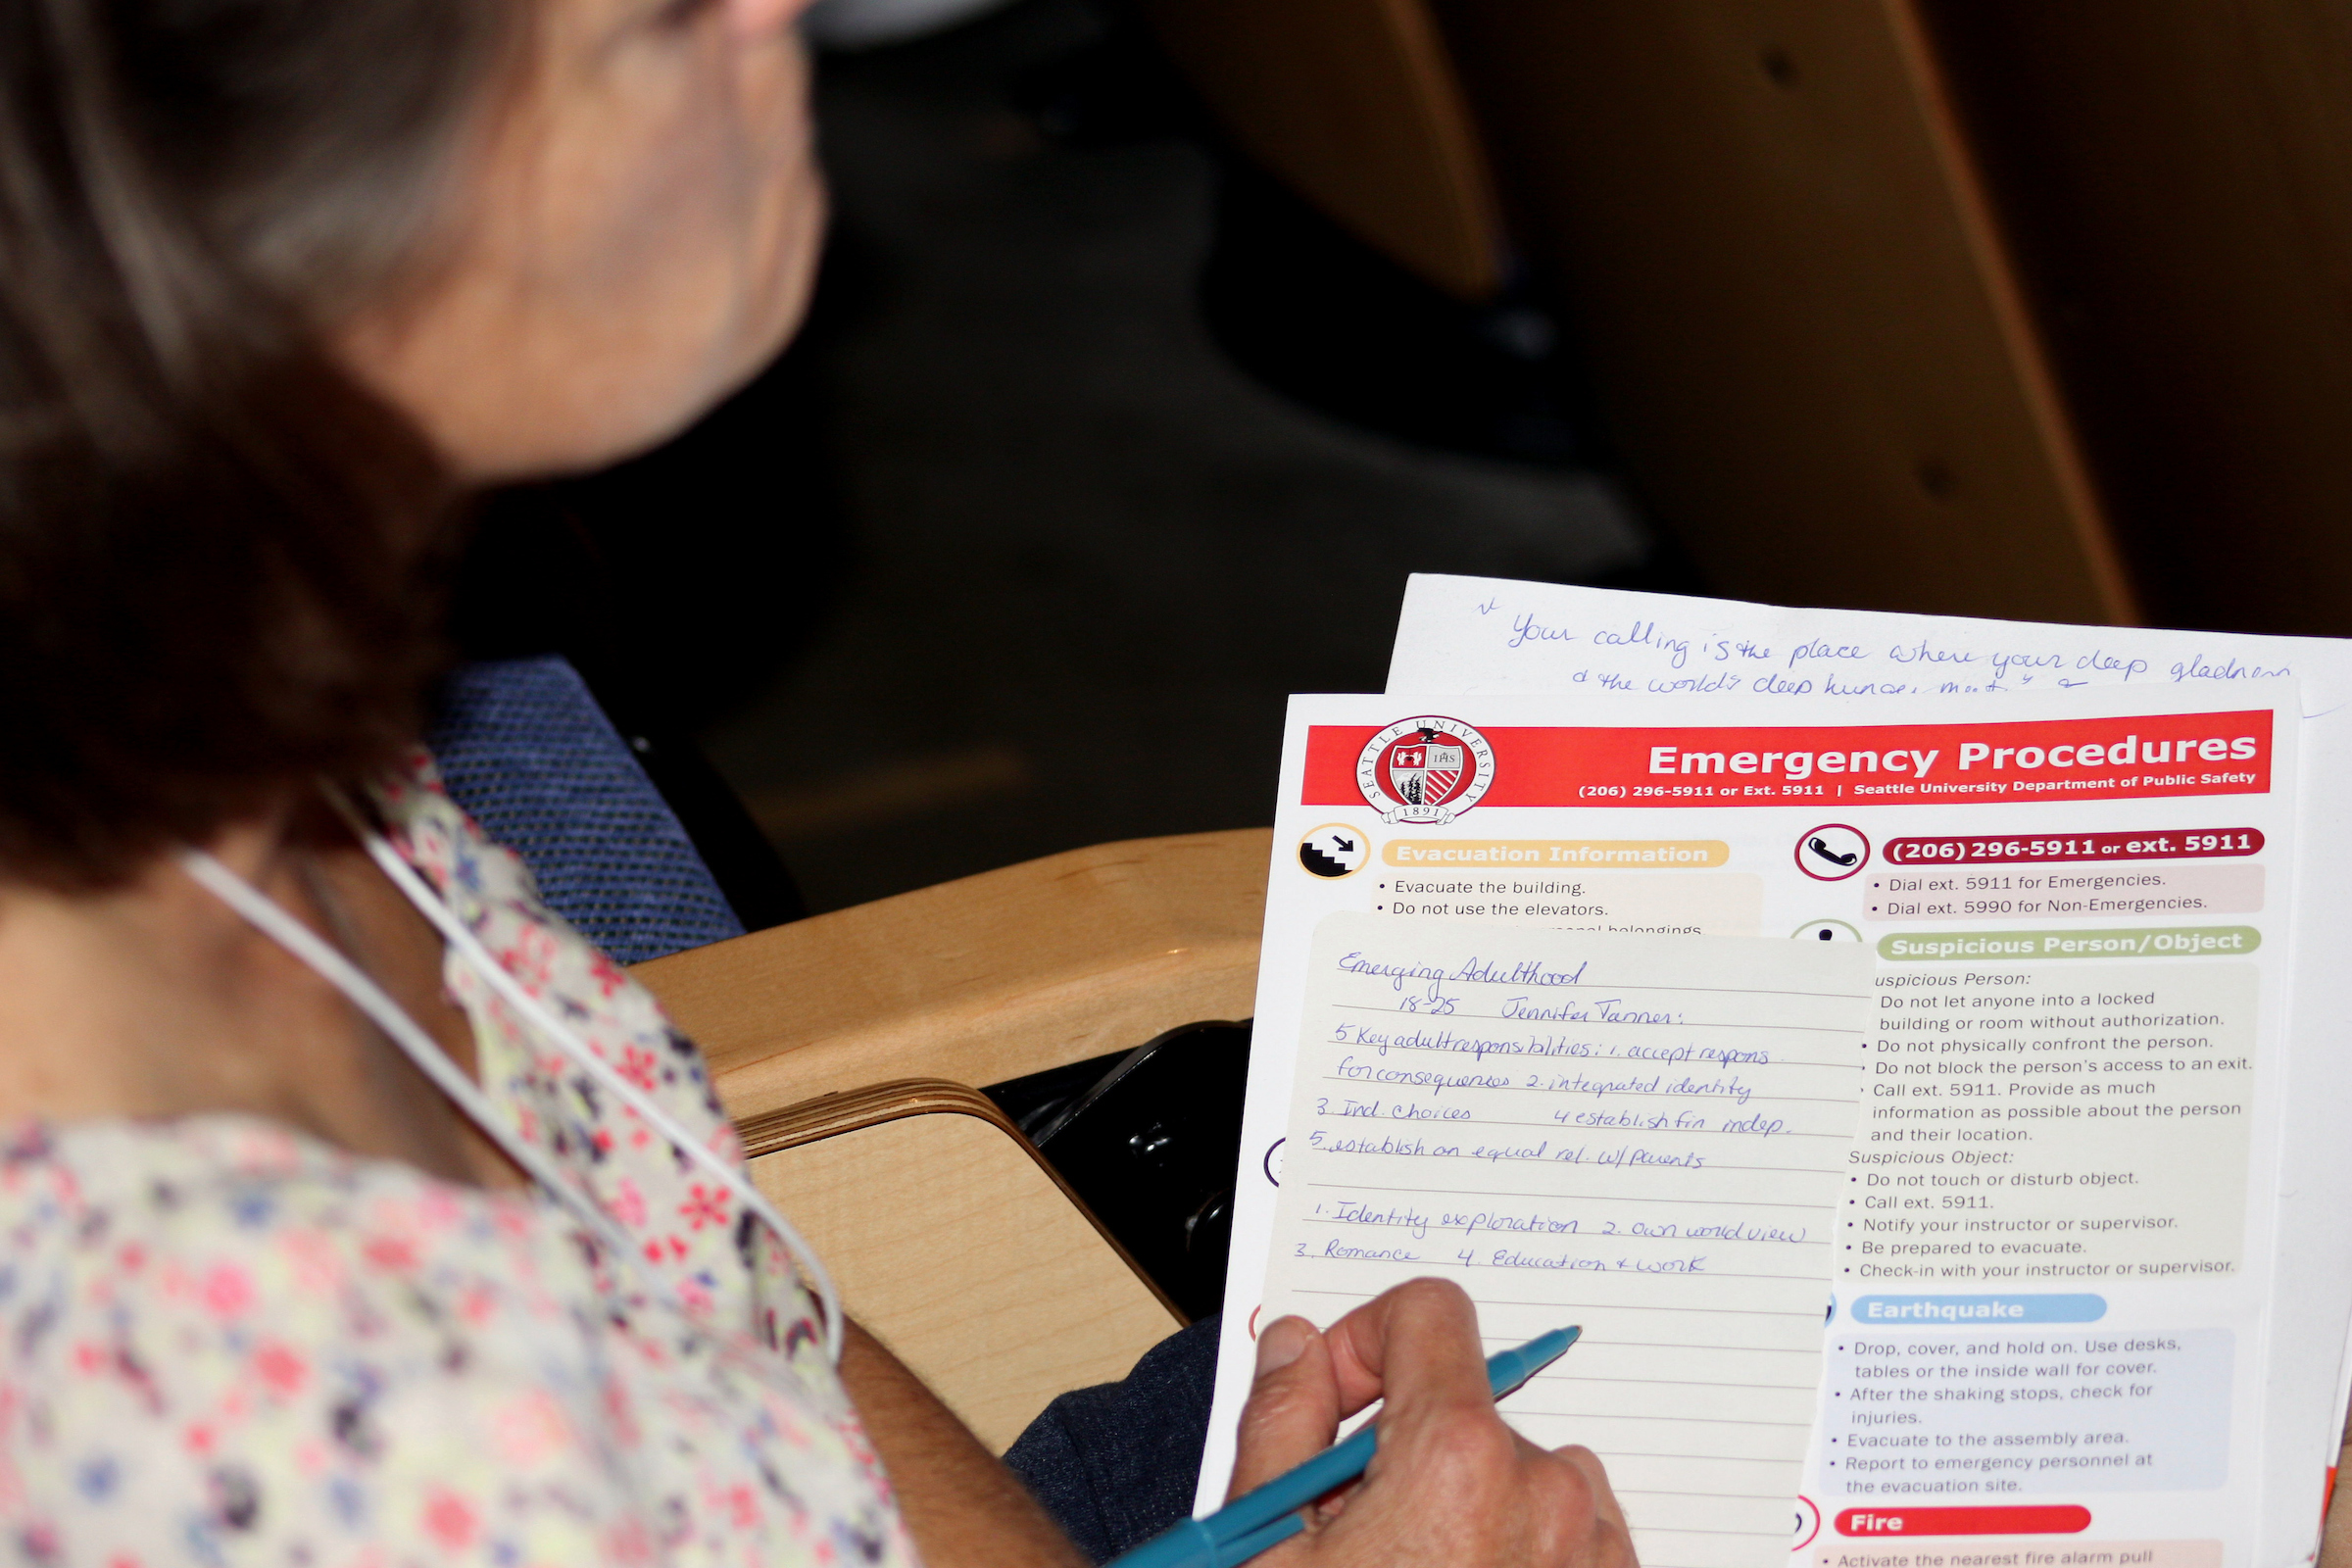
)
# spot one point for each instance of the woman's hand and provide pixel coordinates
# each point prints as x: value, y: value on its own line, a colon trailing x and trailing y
x: 1450, y: 1484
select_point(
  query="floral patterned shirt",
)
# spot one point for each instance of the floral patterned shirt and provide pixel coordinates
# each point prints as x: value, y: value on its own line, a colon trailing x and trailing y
x: 223, y: 1342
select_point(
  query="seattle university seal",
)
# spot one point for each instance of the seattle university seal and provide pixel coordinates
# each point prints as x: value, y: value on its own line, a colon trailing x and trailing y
x: 1426, y: 769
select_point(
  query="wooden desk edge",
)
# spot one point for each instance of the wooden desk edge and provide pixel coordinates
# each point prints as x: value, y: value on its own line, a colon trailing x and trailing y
x: 1025, y: 971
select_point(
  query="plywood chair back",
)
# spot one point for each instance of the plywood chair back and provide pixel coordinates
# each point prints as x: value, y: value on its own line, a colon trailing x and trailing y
x: 2179, y: 179
x: 958, y: 1246
x: 1355, y: 105
x: 1801, y: 310
x: 848, y: 1047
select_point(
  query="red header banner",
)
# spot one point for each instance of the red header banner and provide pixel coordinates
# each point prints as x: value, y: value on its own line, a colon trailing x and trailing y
x: 1880, y: 765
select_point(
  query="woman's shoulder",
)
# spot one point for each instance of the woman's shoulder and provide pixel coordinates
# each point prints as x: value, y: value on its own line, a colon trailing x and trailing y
x: 224, y: 1333
x: 490, y: 890
x: 688, y: 1226
x: 226, y: 1337
x: 239, y: 1225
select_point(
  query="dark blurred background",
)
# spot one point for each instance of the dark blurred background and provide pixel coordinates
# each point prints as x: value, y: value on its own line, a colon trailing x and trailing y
x: 1158, y: 340
x: 1007, y: 555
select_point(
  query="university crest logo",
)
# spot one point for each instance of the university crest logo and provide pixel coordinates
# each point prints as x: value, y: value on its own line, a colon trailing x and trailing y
x: 1425, y: 769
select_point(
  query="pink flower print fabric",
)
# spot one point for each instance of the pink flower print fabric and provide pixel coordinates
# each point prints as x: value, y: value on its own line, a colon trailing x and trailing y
x: 229, y: 1343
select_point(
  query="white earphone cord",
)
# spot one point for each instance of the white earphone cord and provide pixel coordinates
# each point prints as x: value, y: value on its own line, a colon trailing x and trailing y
x: 266, y: 916
x: 260, y: 911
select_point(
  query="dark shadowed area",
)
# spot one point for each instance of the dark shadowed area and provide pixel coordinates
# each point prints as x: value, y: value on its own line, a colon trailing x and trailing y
x: 1008, y: 556
x: 1087, y: 557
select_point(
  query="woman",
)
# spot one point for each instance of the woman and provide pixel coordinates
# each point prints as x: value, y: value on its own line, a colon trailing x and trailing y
x: 278, y: 280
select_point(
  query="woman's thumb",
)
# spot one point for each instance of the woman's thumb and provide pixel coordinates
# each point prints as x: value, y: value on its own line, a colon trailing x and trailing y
x: 1294, y: 1408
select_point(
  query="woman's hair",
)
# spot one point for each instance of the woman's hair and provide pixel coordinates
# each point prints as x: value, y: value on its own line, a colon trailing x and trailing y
x: 219, y: 556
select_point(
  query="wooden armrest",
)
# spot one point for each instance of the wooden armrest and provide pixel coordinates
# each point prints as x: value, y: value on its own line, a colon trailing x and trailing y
x: 979, y: 980
x: 958, y: 1246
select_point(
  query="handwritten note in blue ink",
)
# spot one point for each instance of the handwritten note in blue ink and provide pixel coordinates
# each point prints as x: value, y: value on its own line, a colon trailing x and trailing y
x: 1647, y: 1135
x: 1482, y: 634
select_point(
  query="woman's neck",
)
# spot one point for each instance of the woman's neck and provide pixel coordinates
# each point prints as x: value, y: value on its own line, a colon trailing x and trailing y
x: 157, y: 1000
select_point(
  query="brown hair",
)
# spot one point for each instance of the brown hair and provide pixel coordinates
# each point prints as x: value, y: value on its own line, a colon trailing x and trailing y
x: 219, y: 554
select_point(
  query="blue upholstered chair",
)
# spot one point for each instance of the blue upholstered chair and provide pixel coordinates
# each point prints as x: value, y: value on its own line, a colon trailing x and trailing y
x: 527, y: 750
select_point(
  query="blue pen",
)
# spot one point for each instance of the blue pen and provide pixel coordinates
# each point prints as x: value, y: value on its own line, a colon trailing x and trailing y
x: 1257, y: 1520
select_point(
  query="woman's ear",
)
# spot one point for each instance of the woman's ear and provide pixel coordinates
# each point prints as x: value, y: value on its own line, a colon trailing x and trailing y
x: 759, y: 19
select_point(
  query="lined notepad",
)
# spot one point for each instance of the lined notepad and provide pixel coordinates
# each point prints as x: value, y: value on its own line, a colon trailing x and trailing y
x: 1646, y: 1136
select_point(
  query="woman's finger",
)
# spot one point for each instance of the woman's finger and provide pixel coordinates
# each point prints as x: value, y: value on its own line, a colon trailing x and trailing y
x: 1420, y: 1340
x: 1428, y: 1324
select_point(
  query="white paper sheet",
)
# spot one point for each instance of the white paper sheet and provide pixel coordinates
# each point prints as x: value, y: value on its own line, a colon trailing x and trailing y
x: 1488, y: 635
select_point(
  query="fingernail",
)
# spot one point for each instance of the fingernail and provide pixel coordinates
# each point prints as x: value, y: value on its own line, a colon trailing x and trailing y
x: 1281, y: 1343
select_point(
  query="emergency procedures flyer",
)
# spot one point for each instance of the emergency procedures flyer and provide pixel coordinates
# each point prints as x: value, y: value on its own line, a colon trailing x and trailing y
x: 2048, y: 1295
x: 1496, y: 636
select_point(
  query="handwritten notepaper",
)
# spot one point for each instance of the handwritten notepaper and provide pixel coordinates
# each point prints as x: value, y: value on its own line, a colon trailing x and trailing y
x: 1644, y: 1135
x: 1486, y: 634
